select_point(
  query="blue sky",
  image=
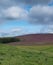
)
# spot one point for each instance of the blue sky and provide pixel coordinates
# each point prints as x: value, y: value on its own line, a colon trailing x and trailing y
x: 26, y: 28
x: 25, y: 17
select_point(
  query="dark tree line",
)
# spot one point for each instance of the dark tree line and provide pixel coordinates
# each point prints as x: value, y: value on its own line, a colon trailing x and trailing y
x: 9, y: 39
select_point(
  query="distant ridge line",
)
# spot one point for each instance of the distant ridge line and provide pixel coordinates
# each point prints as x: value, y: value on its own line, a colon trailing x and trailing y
x: 37, y: 37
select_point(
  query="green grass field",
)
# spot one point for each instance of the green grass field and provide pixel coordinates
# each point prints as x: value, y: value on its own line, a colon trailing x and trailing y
x: 26, y: 55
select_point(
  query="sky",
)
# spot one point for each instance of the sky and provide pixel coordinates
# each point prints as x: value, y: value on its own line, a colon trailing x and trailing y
x: 20, y: 17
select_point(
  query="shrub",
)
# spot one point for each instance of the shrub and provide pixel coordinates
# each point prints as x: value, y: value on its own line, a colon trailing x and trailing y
x: 9, y: 39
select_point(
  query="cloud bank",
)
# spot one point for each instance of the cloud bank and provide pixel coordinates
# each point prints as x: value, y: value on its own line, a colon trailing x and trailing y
x: 7, y: 3
x: 40, y: 12
x: 41, y: 15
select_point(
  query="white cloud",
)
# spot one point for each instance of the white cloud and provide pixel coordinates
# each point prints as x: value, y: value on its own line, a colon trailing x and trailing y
x: 41, y: 15
x: 47, y: 29
x: 11, y: 32
x: 14, y: 12
x: 16, y: 30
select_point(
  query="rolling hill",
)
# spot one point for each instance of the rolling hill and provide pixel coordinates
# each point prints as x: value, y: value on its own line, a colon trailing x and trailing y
x: 34, y: 39
x: 37, y: 38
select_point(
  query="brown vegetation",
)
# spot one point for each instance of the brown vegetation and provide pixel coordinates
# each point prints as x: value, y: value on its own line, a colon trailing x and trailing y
x: 35, y: 39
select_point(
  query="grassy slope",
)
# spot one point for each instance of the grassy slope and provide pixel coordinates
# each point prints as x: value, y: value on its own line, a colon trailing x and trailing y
x: 26, y: 55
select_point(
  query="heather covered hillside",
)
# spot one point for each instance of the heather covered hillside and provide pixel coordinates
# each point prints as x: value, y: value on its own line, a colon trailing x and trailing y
x: 30, y: 39
x: 37, y: 37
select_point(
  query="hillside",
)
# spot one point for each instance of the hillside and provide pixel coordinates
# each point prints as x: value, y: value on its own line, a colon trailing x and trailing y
x: 34, y: 39
x: 37, y: 38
